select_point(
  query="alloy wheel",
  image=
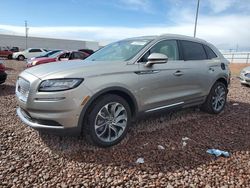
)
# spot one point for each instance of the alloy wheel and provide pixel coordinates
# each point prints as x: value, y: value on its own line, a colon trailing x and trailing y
x: 111, y: 121
x: 219, y: 98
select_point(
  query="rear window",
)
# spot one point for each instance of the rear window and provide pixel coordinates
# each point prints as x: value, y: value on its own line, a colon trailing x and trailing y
x: 210, y: 52
x: 193, y: 51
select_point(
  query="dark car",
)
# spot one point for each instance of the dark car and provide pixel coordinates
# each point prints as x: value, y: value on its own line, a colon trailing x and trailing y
x: 88, y: 51
x: 3, y: 74
x: 14, y: 49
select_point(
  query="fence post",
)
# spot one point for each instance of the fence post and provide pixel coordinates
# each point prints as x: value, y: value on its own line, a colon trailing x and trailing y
x: 232, y: 58
x: 247, y: 57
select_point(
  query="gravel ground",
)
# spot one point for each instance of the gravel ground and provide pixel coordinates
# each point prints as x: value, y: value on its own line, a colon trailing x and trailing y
x: 30, y: 159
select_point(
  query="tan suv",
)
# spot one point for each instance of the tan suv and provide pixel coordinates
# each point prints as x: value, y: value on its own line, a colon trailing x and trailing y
x: 99, y: 96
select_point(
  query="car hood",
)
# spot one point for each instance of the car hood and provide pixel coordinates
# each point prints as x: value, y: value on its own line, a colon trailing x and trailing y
x: 74, y: 68
x: 44, y: 59
x: 247, y: 69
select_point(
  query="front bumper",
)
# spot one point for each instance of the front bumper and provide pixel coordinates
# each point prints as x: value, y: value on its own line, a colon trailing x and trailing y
x: 53, y: 112
x: 41, y: 125
x: 3, y: 77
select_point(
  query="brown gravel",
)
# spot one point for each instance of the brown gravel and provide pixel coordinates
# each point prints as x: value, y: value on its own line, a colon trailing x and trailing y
x: 30, y: 159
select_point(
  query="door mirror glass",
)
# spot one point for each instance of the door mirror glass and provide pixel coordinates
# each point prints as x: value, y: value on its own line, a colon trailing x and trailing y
x: 156, y: 58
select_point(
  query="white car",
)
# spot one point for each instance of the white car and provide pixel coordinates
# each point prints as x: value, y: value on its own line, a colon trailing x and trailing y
x: 29, y: 53
x: 245, y: 76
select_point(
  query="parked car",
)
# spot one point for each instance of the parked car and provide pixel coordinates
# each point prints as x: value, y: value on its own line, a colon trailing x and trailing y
x: 5, y: 52
x: 59, y: 56
x: 245, y: 76
x: 100, y: 97
x: 14, y: 49
x: 29, y: 53
x: 88, y: 51
x: 3, y: 74
x: 49, y: 53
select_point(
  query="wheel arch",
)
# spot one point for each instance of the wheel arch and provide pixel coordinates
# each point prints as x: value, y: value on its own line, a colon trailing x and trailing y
x: 122, y: 92
x: 223, y: 80
x: 21, y: 55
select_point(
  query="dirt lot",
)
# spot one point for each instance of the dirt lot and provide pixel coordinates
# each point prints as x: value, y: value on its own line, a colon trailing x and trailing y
x: 237, y: 67
x: 28, y: 158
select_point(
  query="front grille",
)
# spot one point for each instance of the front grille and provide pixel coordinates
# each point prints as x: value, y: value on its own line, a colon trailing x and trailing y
x: 23, y: 88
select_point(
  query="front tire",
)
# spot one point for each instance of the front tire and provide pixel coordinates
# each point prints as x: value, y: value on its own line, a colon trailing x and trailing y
x: 107, y: 121
x: 20, y: 57
x: 216, y: 100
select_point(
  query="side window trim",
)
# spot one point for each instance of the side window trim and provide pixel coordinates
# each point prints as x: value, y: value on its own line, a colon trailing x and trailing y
x: 181, y: 57
x: 203, y: 46
x: 210, y: 49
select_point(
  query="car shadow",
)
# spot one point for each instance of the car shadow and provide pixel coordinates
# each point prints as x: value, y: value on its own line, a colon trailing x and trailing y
x: 184, y: 136
x: 6, y: 89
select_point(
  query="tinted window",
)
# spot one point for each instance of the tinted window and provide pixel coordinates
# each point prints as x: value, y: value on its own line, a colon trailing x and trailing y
x: 77, y: 55
x: 166, y: 47
x: 65, y: 55
x: 210, y: 52
x: 35, y: 50
x: 193, y: 51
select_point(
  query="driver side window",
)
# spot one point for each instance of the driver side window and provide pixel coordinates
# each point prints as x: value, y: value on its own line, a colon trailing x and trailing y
x: 166, y: 47
x: 64, y: 56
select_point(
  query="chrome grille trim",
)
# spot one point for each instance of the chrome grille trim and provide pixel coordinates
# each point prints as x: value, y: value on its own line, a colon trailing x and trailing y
x: 22, y: 89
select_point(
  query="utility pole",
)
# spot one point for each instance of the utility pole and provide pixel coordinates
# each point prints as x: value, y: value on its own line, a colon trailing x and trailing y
x: 196, y: 17
x: 26, y: 34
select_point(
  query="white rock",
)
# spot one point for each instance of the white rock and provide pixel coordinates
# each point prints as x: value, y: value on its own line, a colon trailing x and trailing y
x: 184, y: 144
x: 160, y: 147
x: 185, y: 138
x: 235, y: 104
x: 140, y: 160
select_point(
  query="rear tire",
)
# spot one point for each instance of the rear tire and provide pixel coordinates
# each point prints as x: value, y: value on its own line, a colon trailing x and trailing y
x: 9, y: 56
x: 216, y: 99
x: 107, y: 121
x: 20, y: 57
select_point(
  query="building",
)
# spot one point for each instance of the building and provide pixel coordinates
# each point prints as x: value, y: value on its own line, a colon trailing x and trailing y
x: 48, y: 43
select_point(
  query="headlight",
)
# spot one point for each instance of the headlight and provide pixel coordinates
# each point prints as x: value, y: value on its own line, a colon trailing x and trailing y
x: 59, y: 84
x: 34, y: 62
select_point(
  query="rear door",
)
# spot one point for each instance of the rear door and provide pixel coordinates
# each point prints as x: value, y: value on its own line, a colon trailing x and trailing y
x: 201, y: 62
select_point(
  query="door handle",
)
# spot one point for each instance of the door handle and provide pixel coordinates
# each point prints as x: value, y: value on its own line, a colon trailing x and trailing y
x: 178, y: 73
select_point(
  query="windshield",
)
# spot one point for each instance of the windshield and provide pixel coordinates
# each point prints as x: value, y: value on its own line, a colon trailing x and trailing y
x: 119, y: 51
x: 55, y: 54
x: 51, y: 53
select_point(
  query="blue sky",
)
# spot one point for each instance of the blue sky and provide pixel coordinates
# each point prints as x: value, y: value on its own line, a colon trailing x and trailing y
x: 226, y: 23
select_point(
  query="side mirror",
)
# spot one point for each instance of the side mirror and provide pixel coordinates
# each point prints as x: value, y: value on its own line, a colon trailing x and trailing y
x: 156, y: 58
